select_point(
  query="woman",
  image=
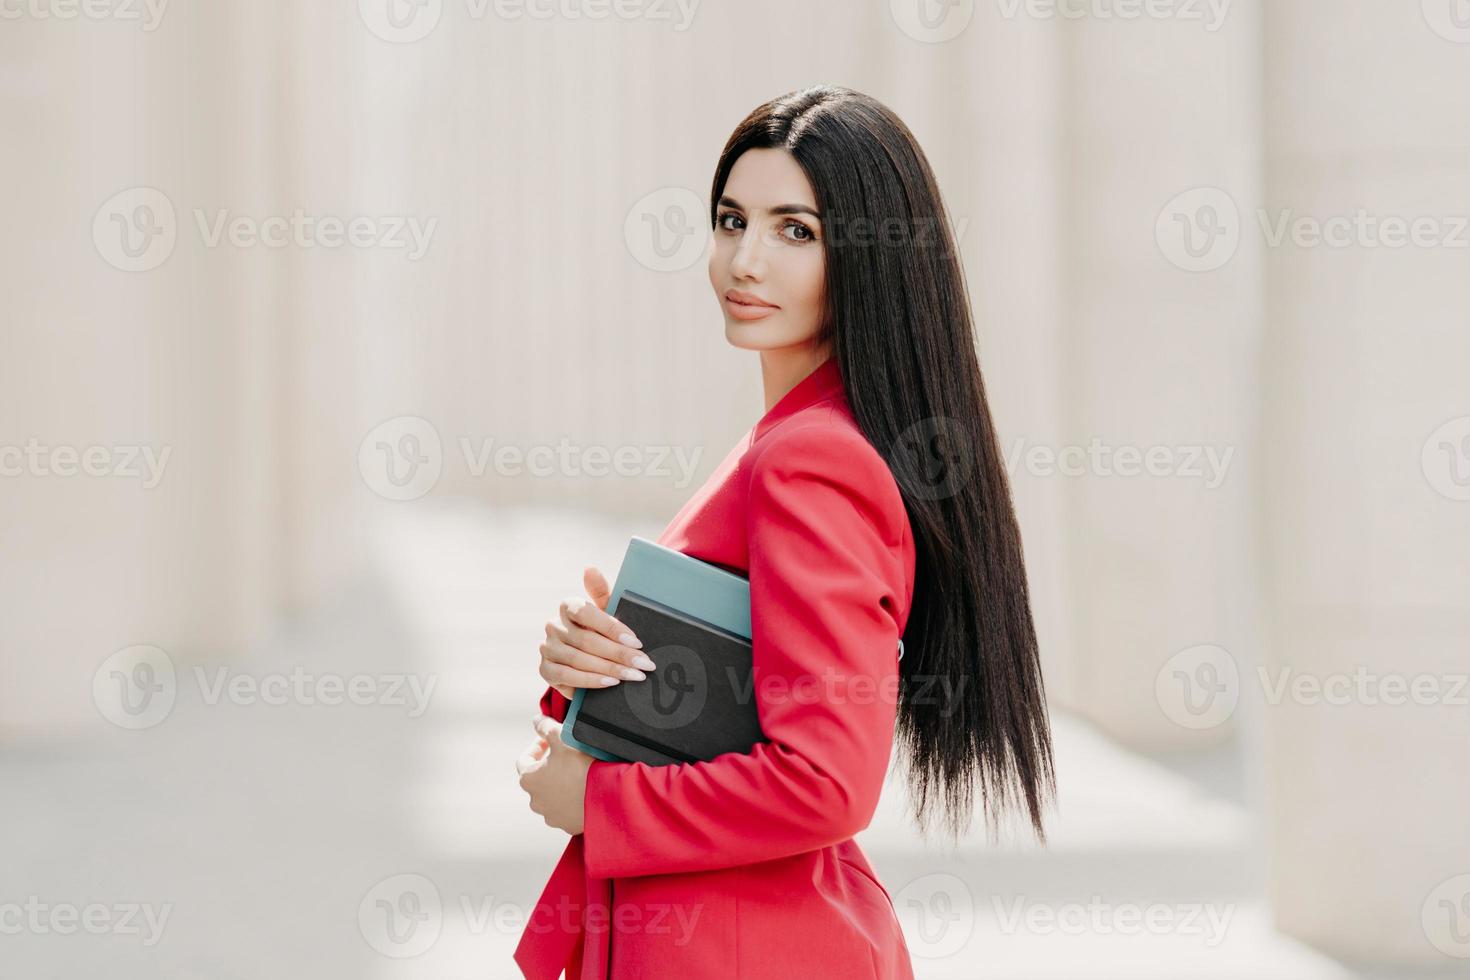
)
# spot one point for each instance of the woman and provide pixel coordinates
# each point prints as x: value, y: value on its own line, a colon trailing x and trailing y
x: 869, y: 503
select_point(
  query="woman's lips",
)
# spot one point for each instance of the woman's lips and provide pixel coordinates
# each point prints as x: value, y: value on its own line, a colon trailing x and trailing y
x: 748, y: 311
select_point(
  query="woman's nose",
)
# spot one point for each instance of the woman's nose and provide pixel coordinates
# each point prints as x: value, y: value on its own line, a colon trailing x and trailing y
x: 749, y: 261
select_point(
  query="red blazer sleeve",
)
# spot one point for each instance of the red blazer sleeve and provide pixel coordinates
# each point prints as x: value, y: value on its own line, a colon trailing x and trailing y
x: 825, y: 524
x: 554, y: 705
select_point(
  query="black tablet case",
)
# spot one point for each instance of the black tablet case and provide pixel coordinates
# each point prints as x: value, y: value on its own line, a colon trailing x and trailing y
x: 697, y: 704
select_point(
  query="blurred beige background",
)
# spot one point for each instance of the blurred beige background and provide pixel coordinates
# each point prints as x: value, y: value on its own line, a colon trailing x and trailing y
x: 337, y: 338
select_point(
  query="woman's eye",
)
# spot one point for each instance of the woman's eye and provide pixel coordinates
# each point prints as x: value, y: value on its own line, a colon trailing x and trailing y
x: 792, y: 230
x: 804, y: 234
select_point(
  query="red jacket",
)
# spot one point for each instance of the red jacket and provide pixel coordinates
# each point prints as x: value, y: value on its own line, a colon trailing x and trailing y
x: 744, y: 866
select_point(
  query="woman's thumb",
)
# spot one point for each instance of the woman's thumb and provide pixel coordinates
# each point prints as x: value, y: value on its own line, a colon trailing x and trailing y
x: 596, y: 585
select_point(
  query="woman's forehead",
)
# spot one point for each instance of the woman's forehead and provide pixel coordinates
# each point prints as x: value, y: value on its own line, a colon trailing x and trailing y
x: 768, y: 178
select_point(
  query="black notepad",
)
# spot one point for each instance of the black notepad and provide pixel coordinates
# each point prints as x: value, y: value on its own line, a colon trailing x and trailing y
x: 697, y: 704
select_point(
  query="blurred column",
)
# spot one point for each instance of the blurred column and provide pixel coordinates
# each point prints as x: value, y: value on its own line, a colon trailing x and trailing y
x: 126, y: 363
x: 1160, y: 295
x: 1367, y: 486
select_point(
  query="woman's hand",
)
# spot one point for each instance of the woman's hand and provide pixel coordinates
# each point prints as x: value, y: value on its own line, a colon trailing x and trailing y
x: 554, y: 775
x: 585, y: 647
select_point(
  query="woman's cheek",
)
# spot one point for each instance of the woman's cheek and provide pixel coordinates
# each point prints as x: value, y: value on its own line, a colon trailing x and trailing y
x: 814, y: 291
x: 717, y: 263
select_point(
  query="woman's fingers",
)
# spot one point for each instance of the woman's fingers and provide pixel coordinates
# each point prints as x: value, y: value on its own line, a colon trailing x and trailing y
x: 585, y: 613
x: 600, y: 647
x: 560, y: 674
x: 596, y: 585
x: 557, y: 652
x: 587, y: 647
x: 581, y: 628
x: 548, y: 729
x: 531, y: 758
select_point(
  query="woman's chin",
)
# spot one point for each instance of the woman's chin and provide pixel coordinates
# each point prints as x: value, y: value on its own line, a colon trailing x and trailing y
x: 748, y: 335
x: 736, y: 334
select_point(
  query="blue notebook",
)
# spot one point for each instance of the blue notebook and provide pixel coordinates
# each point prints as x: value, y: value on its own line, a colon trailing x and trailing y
x: 694, y: 620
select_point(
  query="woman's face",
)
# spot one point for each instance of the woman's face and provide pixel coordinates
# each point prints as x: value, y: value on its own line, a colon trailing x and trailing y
x: 768, y: 250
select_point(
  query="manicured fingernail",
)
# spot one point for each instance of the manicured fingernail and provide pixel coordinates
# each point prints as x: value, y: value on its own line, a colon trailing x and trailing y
x: 644, y: 662
x: 629, y: 674
x: 610, y: 681
x: 629, y: 640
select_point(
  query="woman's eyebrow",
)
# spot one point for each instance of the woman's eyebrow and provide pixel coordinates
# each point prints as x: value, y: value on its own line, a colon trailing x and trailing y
x: 780, y: 209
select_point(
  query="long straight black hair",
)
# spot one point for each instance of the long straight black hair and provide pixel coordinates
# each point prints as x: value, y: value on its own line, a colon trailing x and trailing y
x: 971, y: 698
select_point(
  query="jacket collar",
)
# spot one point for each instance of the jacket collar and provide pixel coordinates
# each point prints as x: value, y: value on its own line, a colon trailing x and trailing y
x: 821, y: 384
